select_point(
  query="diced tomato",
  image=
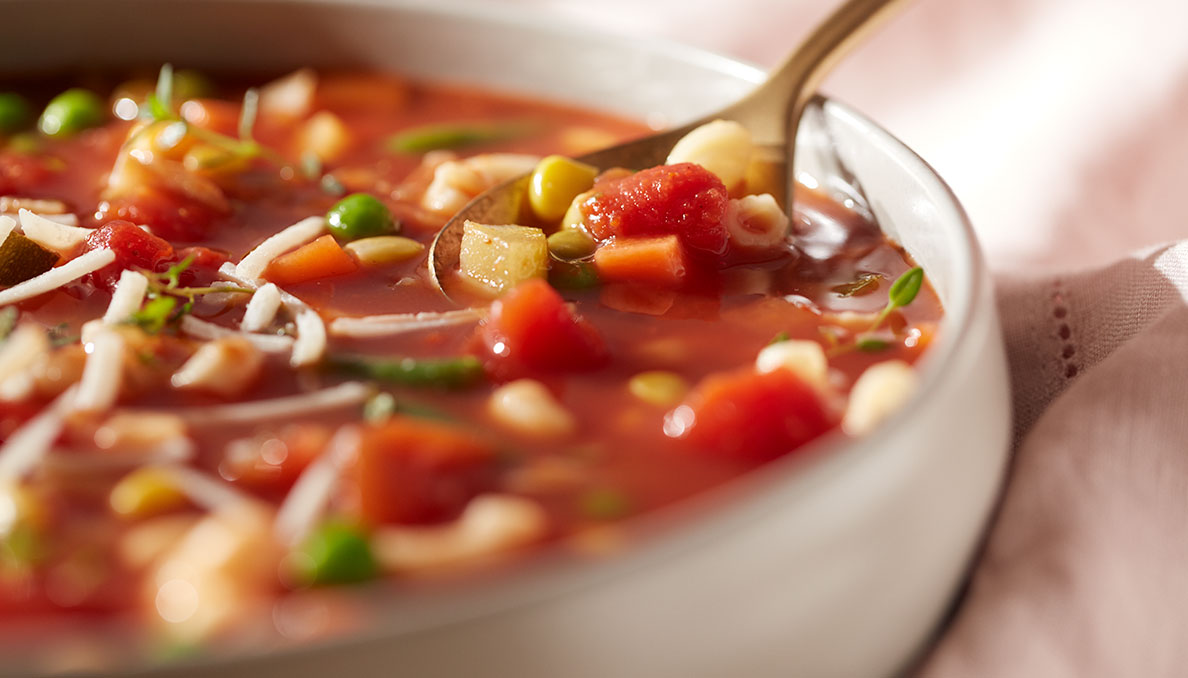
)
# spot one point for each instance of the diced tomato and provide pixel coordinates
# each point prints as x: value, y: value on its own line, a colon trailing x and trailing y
x: 204, y: 265
x: 322, y: 258
x: 212, y: 114
x: 658, y: 261
x: 684, y: 199
x: 420, y: 471
x: 133, y: 247
x: 750, y: 416
x: 532, y: 330
x: 278, y: 461
x: 167, y: 216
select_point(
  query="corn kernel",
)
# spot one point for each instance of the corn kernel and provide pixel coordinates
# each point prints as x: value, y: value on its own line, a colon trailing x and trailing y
x: 384, y: 249
x: 145, y: 492
x: 555, y: 182
x: 659, y: 388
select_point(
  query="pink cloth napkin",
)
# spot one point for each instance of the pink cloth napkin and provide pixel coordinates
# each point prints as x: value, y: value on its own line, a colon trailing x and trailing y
x: 1061, y: 126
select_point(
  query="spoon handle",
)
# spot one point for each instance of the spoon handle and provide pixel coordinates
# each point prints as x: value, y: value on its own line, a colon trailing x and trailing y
x: 772, y: 111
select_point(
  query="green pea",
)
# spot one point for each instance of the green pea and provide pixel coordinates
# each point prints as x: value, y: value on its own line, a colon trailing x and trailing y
x: 70, y: 112
x: 360, y: 216
x: 14, y: 112
x: 335, y: 553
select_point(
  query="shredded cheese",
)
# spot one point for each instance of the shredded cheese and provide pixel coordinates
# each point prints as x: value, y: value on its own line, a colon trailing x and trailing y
x: 56, y: 277
x: 6, y: 226
x: 29, y: 444
x: 311, y: 330
x: 311, y: 338
x: 290, y: 407
x: 308, y: 498
x: 202, y: 329
x: 252, y: 266
x: 62, y: 238
x: 400, y: 323
x: 261, y: 309
x: 102, y: 374
x: 126, y: 298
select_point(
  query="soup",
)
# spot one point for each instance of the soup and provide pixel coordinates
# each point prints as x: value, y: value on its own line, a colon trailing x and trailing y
x: 227, y: 375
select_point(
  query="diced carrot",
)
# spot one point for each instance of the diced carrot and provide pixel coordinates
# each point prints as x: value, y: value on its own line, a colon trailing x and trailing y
x: 656, y: 261
x: 319, y: 259
x: 420, y: 471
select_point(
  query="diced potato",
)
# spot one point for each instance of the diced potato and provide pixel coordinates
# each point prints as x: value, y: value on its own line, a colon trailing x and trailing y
x: 805, y: 358
x: 226, y: 366
x: 491, y: 526
x: 325, y: 135
x: 291, y: 96
x: 723, y: 147
x: 501, y: 257
x: 878, y: 393
x: 756, y: 222
x: 526, y: 406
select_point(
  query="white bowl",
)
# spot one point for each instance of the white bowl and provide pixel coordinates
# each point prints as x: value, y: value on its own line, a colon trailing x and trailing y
x: 837, y: 562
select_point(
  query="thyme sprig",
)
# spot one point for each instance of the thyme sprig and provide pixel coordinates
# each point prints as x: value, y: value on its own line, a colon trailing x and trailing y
x: 168, y: 300
x: 161, y: 108
x: 901, y: 293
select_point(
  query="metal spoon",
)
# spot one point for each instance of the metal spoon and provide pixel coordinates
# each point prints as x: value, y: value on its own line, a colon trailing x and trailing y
x: 771, y: 112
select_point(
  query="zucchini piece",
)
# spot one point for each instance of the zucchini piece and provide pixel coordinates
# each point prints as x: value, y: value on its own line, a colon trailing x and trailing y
x: 22, y: 259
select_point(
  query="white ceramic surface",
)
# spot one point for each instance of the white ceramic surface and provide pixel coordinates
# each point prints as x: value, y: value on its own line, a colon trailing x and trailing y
x: 839, y: 562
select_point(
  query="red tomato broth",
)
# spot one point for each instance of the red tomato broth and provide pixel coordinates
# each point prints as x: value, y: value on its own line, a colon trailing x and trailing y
x: 619, y: 443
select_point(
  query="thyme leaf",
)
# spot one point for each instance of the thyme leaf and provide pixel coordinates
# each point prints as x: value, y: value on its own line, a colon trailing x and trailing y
x: 864, y: 284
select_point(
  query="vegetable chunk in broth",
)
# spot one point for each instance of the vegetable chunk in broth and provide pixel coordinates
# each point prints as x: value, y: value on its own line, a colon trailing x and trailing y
x: 227, y: 381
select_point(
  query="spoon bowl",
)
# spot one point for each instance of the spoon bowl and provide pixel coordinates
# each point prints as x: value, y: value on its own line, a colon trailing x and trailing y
x: 771, y: 113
